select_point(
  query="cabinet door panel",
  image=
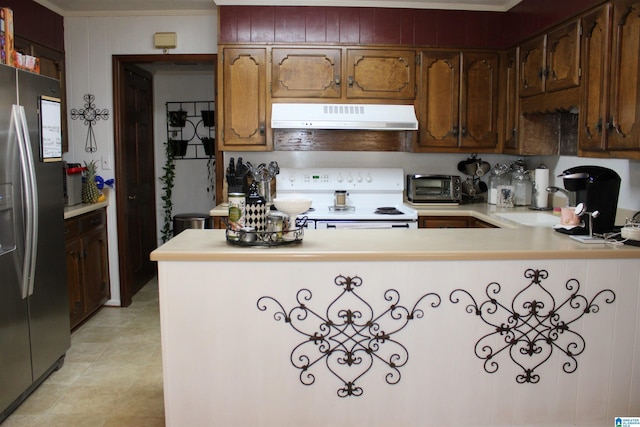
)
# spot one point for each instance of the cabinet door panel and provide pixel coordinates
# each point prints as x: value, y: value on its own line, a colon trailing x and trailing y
x: 595, y: 75
x: 77, y: 310
x: 440, y: 95
x: 96, y: 274
x: 532, y: 66
x: 244, y: 92
x: 563, y: 58
x: 511, y: 101
x: 385, y: 74
x: 479, y: 100
x: 306, y: 73
x: 625, y: 88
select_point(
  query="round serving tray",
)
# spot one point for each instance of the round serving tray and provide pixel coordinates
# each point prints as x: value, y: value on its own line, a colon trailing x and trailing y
x: 291, y: 236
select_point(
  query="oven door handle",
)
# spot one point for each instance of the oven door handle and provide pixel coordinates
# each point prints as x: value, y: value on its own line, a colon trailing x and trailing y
x: 363, y: 225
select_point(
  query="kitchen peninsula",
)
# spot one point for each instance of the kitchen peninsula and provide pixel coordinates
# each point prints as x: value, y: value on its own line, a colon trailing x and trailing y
x: 429, y: 327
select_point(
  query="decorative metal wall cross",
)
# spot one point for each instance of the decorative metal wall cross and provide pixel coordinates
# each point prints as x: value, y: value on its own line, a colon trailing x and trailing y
x: 533, y: 325
x: 90, y: 114
x: 349, y: 337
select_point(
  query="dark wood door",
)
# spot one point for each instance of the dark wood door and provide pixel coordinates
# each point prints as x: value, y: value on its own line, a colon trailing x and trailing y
x: 136, y: 180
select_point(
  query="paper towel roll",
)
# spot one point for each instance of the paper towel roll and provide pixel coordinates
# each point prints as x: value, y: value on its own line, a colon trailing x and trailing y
x: 541, y: 182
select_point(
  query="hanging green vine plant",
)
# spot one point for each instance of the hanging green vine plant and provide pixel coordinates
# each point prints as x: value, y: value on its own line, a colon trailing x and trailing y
x: 211, y: 179
x: 167, y: 180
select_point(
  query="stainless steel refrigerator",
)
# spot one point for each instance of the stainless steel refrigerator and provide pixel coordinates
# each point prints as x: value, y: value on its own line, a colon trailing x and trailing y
x: 34, y: 313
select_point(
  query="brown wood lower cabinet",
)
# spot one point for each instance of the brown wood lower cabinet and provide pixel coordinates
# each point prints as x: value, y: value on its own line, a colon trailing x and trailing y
x: 87, y: 264
x: 452, y: 222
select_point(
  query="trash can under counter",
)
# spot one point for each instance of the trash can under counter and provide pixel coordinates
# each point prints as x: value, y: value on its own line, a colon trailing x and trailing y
x: 184, y: 221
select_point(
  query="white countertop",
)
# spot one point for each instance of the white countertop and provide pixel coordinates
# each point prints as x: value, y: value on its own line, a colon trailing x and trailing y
x: 395, y: 245
x: 510, y: 241
x: 83, y: 208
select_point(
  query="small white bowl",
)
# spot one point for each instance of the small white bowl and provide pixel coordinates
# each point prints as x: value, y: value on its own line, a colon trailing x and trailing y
x: 292, y: 205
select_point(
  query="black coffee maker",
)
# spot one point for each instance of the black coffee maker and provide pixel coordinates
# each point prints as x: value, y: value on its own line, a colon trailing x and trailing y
x: 597, y: 188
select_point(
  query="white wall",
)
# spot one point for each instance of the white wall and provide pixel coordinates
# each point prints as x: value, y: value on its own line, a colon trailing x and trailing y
x: 189, y: 193
x: 90, y: 43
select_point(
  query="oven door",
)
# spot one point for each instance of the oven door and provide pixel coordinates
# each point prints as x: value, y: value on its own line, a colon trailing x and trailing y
x: 364, y: 225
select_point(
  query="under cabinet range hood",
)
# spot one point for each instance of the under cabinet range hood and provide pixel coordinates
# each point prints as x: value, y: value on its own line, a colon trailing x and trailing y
x: 343, y: 116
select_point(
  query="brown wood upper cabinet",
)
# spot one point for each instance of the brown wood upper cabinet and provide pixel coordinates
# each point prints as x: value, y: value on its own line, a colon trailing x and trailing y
x: 458, y: 100
x: 384, y: 74
x: 381, y: 74
x: 511, y: 105
x: 551, y: 62
x: 243, y: 114
x: 609, y: 121
x: 306, y: 73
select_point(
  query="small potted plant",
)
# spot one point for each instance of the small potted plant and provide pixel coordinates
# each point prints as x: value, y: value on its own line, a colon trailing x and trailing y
x: 177, y: 119
x: 178, y: 147
x: 208, y: 118
x: 209, y: 145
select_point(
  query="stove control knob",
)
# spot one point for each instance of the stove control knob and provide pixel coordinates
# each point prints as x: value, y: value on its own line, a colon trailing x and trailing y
x: 292, y: 178
x: 349, y: 178
x: 359, y: 179
x: 369, y: 179
x: 340, y: 178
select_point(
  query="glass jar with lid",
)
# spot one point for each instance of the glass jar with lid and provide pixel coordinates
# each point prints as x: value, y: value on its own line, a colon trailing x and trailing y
x: 498, y: 176
x: 523, y: 187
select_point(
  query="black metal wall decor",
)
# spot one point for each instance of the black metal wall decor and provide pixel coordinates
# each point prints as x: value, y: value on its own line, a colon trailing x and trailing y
x: 533, y: 326
x: 348, y: 337
x: 90, y: 114
x: 191, y: 129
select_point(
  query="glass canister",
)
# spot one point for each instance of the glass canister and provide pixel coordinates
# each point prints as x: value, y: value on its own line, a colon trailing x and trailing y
x: 275, y: 223
x: 523, y: 187
x: 498, y: 177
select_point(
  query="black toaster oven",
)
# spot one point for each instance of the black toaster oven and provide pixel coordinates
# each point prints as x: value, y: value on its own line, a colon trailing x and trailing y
x: 434, y: 188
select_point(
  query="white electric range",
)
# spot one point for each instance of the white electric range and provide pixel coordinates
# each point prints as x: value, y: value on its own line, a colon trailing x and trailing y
x: 374, y: 196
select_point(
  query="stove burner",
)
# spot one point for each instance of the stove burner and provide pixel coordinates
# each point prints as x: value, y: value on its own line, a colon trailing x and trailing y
x: 388, y: 210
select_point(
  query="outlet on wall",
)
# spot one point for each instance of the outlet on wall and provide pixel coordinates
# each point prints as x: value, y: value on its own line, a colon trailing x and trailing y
x: 105, y: 162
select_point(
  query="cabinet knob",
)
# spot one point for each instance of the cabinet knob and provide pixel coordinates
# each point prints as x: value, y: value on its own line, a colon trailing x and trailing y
x: 350, y: 81
x: 337, y: 79
x: 132, y: 197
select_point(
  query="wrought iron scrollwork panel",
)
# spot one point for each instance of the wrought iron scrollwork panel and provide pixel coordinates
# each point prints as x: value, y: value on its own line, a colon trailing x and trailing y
x: 348, y: 337
x: 533, y: 325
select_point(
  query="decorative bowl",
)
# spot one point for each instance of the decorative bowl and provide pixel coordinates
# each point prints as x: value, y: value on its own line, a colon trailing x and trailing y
x: 292, y: 205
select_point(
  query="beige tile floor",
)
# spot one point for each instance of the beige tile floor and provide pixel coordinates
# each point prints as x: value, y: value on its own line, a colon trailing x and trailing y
x: 112, y: 376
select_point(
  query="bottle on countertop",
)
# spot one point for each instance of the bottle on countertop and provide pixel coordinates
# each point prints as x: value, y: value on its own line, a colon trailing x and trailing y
x: 498, y: 176
x: 523, y: 187
x: 255, y: 209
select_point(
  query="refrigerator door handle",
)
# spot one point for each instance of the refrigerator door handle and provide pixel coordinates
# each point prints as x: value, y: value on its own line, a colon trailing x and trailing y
x: 30, y: 200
